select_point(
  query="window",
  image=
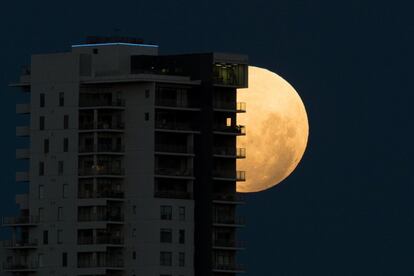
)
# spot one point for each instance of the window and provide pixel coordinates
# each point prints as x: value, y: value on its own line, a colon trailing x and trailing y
x: 134, y: 232
x: 181, y: 236
x: 181, y: 259
x: 42, y: 122
x: 59, y: 236
x: 95, y: 51
x: 181, y: 213
x: 65, y: 145
x: 147, y: 93
x: 42, y: 100
x: 65, y: 191
x: 41, y: 191
x: 40, y: 260
x: 166, y: 235
x: 66, y: 121
x: 165, y: 258
x: 41, y: 214
x: 64, y: 259
x: 41, y: 168
x: 60, y: 213
x: 134, y: 209
x: 60, y: 167
x: 61, y: 99
x: 146, y: 116
x: 228, y: 122
x: 46, y: 146
x: 134, y: 255
x: 45, y: 237
x: 166, y: 212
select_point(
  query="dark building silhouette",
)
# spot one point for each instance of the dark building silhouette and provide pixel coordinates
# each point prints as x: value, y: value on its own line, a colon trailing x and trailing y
x: 132, y: 163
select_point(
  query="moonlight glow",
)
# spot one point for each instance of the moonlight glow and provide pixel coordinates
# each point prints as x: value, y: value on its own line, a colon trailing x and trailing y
x: 277, y: 130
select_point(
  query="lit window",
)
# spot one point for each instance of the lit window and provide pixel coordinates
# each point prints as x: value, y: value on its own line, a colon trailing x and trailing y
x: 228, y: 122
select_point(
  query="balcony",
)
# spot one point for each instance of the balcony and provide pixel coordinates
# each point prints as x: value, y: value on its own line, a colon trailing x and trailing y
x: 94, y: 217
x: 239, y: 107
x: 175, y: 104
x: 102, y: 148
x: 228, y: 198
x: 228, y: 244
x: 231, y: 221
x: 22, y: 154
x: 20, y: 221
x: 101, y: 240
x: 229, y: 175
x: 174, y: 172
x: 229, y: 152
x: 101, y: 171
x: 173, y: 149
x: 108, y: 263
x: 98, y: 101
x: 23, y: 108
x: 101, y: 126
x: 175, y: 126
x: 230, y: 130
x: 110, y: 193
x: 21, y: 266
x: 173, y: 194
x: 228, y: 268
x: 22, y: 244
x: 22, y: 131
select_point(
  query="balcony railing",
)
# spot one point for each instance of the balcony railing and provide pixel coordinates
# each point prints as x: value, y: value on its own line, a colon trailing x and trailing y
x: 101, y: 125
x: 173, y: 148
x: 108, y: 262
x: 101, y: 102
x: 228, y: 243
x: 238, y: 129
x: 101, y: 240
x: 174, y: 103
x: 20, y: 244
x: 102, y: 148
x: 100, y: 217
x: 173, y: 194
x: 21, y: 265
x: 228, y: 197
x: 101, y: 171
x: 230, y: 220
x: 237, y: 106
x: 20, y: 220
x: 101, y: 194
x: 228, y: 267
x: 230, y: 151
x: 174, y: 171
x: 174, y: 126
x: 232, y: 175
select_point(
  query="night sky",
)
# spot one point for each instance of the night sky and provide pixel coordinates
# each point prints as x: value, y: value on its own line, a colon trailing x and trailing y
x: 348, y: 209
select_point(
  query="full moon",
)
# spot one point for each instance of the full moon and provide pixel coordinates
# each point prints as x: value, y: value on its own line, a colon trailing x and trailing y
x: 277, y: 130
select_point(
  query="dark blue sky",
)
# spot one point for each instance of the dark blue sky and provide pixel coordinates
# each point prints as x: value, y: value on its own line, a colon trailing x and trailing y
x: 349, y: 207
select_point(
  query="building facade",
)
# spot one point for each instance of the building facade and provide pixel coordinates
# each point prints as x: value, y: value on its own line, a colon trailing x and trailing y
x: 132, y: 163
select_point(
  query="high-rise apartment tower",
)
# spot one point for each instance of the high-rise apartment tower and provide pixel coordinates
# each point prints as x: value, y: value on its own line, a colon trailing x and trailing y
x: 132, y: 163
